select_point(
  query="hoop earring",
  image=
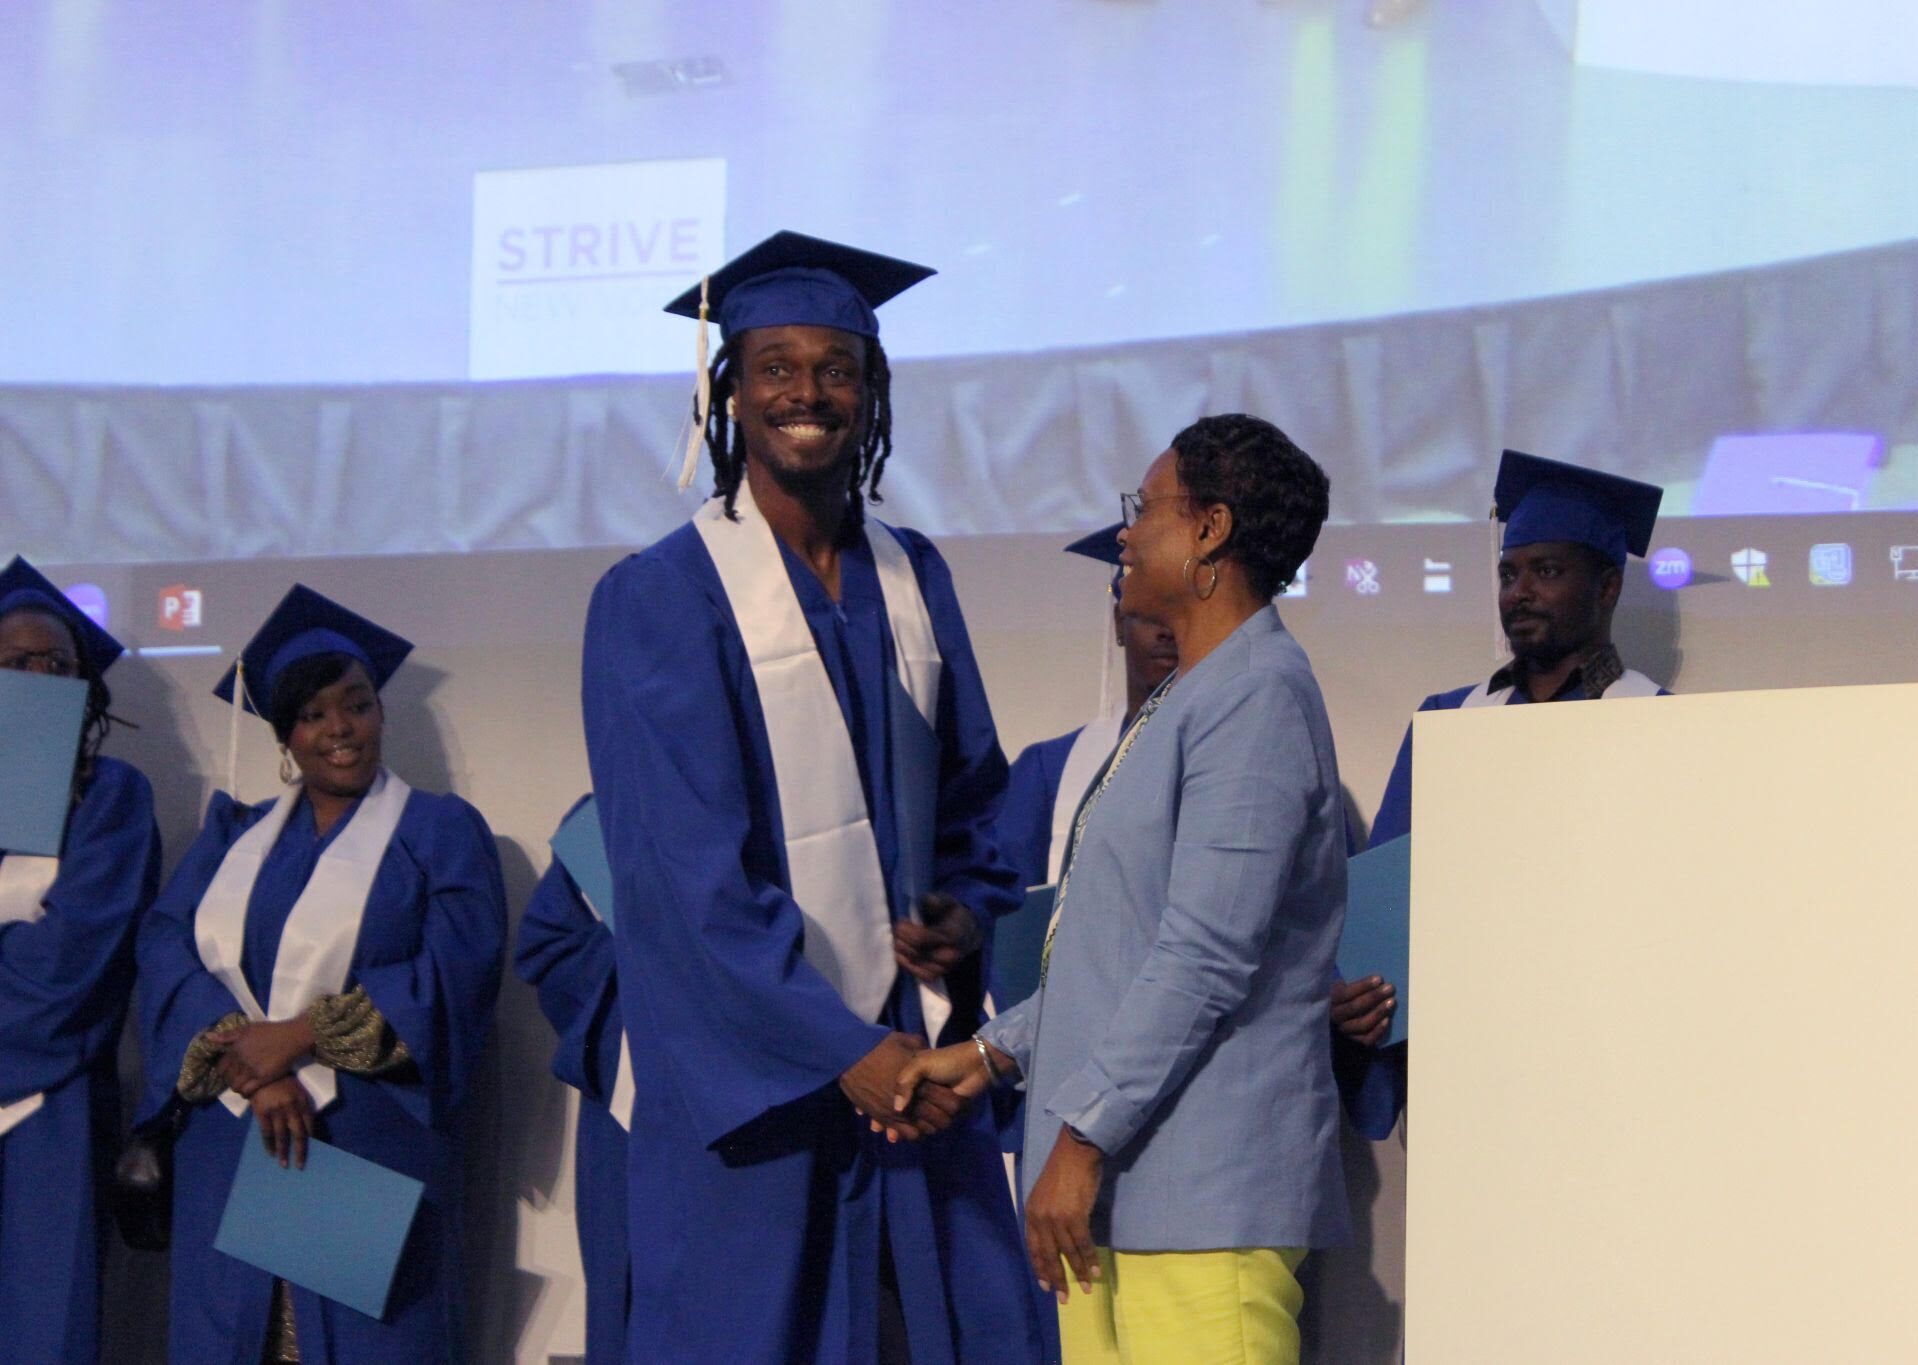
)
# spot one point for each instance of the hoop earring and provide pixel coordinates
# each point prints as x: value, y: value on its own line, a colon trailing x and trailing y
x: 1192, y: 578
x: 287, y: 771
x: 732, y: 409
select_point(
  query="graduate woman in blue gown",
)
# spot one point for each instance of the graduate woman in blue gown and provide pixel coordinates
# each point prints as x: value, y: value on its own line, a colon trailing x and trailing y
x: 67, y: 927
x: 565, y: 951
x: 367, y: 922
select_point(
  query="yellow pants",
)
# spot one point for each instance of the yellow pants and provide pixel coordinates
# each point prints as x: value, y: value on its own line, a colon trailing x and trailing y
x: 1237, y: 1307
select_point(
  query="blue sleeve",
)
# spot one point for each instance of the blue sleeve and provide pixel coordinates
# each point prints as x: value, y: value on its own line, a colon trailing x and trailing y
x: 439, y: 1002
x: 178, y: 997
x: 1013, y: 1030
x: 566, y: 954
x: 65, y: 978
x: 1395, y: 807
x: 1025, y: 821
x: 967, y: 862
x: 709, y: 945
x: 1241, y: 822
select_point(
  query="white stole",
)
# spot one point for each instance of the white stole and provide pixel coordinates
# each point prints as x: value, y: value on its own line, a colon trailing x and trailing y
x: 1089, y: 751
x: 316, y: 946
x: 1630, y: 684
x: 832, y: 858
x: 25, y: 879
x: 620, y: 1102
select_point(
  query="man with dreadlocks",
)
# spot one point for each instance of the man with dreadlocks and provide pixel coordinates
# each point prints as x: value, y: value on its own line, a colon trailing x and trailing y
x: 67, y: 927
x: 797, y: 775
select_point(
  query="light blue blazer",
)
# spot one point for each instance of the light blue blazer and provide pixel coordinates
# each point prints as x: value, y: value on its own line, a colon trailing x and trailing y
x: 1182, y: 1026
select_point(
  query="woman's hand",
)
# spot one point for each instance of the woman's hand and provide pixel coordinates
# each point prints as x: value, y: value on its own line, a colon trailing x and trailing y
x: 284, y: 1112
x: 1059, y: 1214
x: 262, y: 1053
x: 940, y: 1080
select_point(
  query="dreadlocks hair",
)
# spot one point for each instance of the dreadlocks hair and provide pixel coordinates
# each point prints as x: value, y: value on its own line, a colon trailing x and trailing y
x: 727, y: 443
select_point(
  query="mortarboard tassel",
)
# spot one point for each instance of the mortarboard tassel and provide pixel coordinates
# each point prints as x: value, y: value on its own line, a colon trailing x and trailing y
x: 1499, y: 649
x: 233, y: 729
x: 702, y: 393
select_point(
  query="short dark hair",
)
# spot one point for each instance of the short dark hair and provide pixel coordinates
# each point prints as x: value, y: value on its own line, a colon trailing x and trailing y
x: 299, y: 682
x: 1278, y: 494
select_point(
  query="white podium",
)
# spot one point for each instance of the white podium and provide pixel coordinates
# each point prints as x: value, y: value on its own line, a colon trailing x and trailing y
x: 1665, y: 1082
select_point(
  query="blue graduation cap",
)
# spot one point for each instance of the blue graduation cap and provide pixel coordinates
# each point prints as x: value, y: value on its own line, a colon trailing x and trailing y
x: 23, y: 586
x: 788, y: 280
x: 791, y: 279
x: 307, y: 623
x: 1102, y: 545
x: 1542, y: 500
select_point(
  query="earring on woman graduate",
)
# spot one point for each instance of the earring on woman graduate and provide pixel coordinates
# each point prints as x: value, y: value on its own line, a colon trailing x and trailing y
x: 287, y: 771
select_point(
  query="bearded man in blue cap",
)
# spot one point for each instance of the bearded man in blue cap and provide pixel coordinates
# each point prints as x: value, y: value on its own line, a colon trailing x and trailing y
x: 1568, y: 532
x: 797, y: 776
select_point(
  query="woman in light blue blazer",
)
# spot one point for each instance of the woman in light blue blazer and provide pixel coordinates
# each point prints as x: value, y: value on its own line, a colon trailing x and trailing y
x: 1183, y: 1129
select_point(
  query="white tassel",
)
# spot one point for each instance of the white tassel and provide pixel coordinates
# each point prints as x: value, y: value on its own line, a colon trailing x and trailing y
x: 233, y: 730
x: 702, y: 395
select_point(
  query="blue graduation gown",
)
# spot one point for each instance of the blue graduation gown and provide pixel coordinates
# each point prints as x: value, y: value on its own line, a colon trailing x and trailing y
x: 428, y: 954
x: 757, y: 1195
x: 64, y: 985
x: 566, y: 953
x: 1372, y: 1081
x: 1025, y: 837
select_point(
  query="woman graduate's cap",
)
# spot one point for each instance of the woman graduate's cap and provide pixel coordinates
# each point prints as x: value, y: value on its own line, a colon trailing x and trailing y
x: 788, y: 280
x: 307, y: 623
x: 1542, y: 500
x: 24, y: 587
x: 1102, y: 545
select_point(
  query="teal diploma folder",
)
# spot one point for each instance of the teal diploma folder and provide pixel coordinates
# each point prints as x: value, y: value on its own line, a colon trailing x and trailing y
x: 580, y: 846
x: 40, y: 721
x: 1378, y: 917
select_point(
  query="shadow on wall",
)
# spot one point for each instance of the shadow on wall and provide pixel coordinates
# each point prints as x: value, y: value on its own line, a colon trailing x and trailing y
x: 1645, y: 628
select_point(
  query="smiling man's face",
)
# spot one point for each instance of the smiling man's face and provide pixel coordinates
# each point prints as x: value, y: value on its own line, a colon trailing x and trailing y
x: 799, y: 400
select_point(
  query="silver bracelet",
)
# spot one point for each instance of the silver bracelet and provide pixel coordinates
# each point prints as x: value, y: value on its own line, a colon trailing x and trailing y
x: 985, y: 1058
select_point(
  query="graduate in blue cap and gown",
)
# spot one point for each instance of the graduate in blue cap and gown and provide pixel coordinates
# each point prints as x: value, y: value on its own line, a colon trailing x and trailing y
x: 565, y: 952
x: 1051, y: 775
x: 67, y: 925
x: 1568, y: 532
x: 797, y: 775
x: 322, y: 964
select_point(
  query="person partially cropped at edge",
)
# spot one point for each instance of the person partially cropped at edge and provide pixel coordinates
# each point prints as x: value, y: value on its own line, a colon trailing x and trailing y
x: 1177, y: 1054
x: 321, y: 965
x: 67, y: 925
x: 797, y: 774
x: 565, y: 952
x: 1568, y: 532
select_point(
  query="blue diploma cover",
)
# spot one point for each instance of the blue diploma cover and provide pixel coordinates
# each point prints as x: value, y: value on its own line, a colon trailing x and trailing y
x: 1378, y: 915
x: 580, y: 846
x: 40, y: 722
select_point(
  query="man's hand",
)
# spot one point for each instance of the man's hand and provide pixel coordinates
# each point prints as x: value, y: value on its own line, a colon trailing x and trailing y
x: 870, y: 1083
x: 1362, y: 1010
x: 946, y: 935
x: 262, y: 1053
x: 1059, y: 1215
x: 284, y: 1112
x: 941, y: 1079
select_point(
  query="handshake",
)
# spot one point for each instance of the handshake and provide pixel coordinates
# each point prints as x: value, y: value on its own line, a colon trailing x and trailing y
x: 908, y: 1090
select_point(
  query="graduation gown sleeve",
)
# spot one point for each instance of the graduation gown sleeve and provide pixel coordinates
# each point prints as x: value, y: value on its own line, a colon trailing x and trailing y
x: 178, y: 997
x: 439, y: 1000
x: 968, y: 864
x: 566, y: 954
x: 65, y: 978
x: 709, y: 941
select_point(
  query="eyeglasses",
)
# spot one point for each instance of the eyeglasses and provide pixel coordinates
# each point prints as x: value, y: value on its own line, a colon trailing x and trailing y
x: 1132, y: 505
x: 55, y: 661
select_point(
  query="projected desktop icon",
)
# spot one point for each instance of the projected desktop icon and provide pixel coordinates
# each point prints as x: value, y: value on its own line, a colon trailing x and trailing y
x: 1904, y: 563
x: 91, y: 599
x: 181, y: 607
x: 1749, y: 565
x: 1297, y: 587
x: 1438, y: 575
x: 1670, y: 568
x: 1831, y: 565
x: 1362, y: 577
